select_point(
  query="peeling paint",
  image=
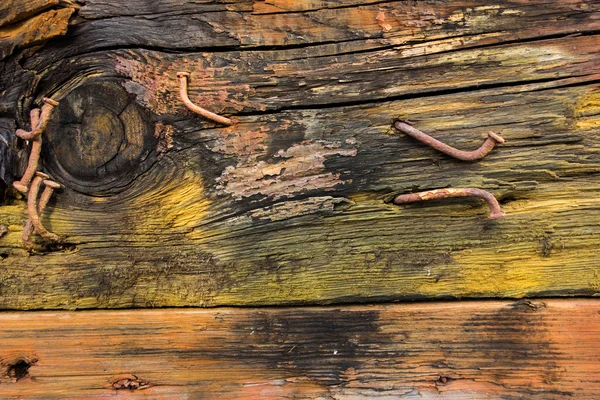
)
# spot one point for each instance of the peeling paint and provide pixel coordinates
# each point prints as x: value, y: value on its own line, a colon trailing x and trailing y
x: 386, y: 27
x: 250, y: 143
x: 156, y: 87
x: 296, y: 208
x: 298, y: 169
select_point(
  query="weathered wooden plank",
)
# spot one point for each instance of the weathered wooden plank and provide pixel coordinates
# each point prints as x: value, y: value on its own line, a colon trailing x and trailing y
x: 484, y: 350
x: 187, y: 24
x: 291, y: 204
x: 318, y: 203
x: 260, y: 81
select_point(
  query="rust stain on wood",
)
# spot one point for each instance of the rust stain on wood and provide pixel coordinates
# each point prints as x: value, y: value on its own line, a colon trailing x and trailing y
x: 156, y: 86
x: 13, y: 11
x: 34, y: 31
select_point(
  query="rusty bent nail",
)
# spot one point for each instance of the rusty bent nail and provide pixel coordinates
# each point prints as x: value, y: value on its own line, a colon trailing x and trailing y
x: 39, y: 121
x: 183, y: 77
x: 42, y: 123
x: 481, y: 152
x: 50, y: 187
x: 28, y: 229
x: 22, y: 184
x: 32, y: 207
x: 495, y: 210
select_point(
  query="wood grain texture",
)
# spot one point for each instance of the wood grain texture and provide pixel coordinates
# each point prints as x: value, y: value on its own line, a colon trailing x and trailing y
x: 13, y: 11
x: 34, y: 31
x: 291, y: 204
x: 483, y: 350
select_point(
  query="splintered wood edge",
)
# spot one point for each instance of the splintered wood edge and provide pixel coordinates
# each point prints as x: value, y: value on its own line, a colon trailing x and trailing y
x: 488, y: 349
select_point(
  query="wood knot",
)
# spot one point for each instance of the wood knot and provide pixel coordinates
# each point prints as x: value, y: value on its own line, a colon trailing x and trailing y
x: 16, y: 368
x: 129, y: 382
x: 526, y: 305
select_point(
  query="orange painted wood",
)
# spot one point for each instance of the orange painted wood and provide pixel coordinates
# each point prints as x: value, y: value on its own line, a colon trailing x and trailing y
x: 546, y: 349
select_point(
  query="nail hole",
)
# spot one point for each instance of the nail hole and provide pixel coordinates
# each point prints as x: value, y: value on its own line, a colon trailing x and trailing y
x: 19, y: 369
x: 3, y: 256
x: 507, y: 198
x: 47, y: 247
x: 444, y: 380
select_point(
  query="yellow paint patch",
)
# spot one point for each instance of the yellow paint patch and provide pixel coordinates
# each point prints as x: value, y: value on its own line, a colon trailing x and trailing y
x: 489, y: 272
x: 178, y: 205
x: 587, y: 111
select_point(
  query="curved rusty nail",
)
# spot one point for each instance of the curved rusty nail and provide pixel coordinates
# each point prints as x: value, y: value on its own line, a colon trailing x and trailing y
x: 183, y: 77
x: 40, y: 126
x: 495, y: 210
x: 481, y: 152
x: 34, y: 118
x: 32, y: 207
x: 22, y: 184
x: 28, y: 229
x: 39, y: 121
x: 34, y: 158
x: 50, y: 187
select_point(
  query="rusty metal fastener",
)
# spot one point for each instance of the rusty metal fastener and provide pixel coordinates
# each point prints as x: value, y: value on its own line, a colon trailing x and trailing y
x: 50, y: 187
x: 23, y: 183
x: 481, y: 152
x: 32, y: 207
x: 39, y: 121
x: 183, y: 77
x: 495, y: 210
x: 42, y: 123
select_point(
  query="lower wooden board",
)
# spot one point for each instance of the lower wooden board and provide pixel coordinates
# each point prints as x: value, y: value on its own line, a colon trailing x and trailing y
x: 546, y: 349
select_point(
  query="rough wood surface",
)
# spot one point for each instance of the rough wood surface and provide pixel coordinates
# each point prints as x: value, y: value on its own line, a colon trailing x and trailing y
x: 291, y: 204
x: 486, y: 350
x: 34, y: 30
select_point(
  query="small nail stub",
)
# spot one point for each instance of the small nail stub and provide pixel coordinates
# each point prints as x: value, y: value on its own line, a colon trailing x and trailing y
x: 495, y: 210
x: 183, y: 93
x: 481, y: 152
